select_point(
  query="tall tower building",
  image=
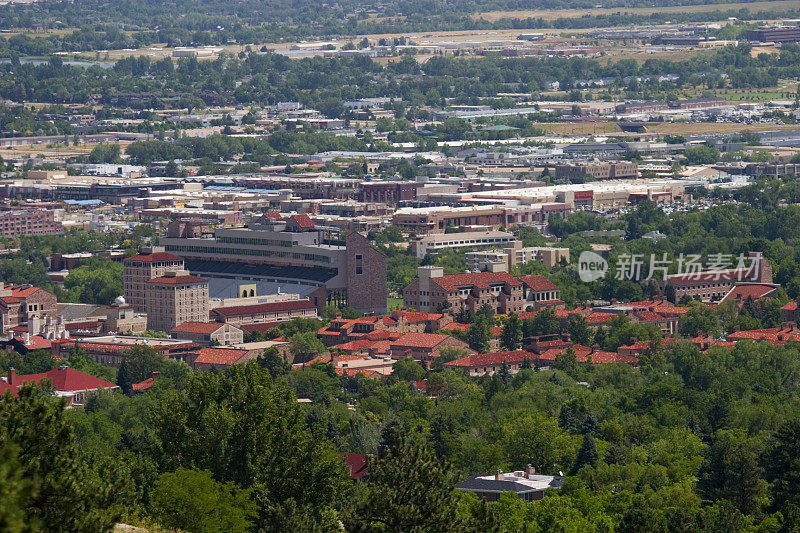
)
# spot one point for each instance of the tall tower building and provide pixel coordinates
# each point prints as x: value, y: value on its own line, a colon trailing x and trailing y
x: 138, y: 269
x: 175, y: 298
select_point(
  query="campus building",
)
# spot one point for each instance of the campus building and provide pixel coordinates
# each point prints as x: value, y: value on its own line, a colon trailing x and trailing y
x: 292, y: 255
x: 138, y: 269
x: 175, y: 298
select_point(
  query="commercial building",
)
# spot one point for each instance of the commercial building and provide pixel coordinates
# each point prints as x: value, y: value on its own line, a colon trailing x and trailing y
x: 513, y: 255
x: 432, y: 291
x: 175, y: 298
x: 433, y: 220
x: 295, y: 256
x: 138, y: 269
x: 774, y: 34
x: 29, y: 222
x: 469, y: 239
x: 598, y: 171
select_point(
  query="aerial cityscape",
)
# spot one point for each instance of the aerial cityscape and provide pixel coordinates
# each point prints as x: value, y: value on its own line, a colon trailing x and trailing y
x: 400, y: 266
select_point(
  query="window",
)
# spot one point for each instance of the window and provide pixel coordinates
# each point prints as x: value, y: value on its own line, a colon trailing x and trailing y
x: 359, y: 264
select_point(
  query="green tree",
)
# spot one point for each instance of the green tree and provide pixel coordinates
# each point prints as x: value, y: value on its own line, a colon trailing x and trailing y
x: 272, y: 360
x: 579, y: 330
x: 511, y: 337
x: 730, y: 471
x: 247, y: 430
x: 305, y: 345
x: 49, y: 484
x: 783, y: 464
x: 408, y: 370
x: 587, y: 455
x: 408, y: 489
x: 193, y: 501
x: 701, y: 155
x: 105, y: 153
x: 479, y: 334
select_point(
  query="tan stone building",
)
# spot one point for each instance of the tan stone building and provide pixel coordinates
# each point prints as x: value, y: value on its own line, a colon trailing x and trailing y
x: 205, y: 333
x: 138, y: 269
x: 175, y: 298
x: 432, y: 291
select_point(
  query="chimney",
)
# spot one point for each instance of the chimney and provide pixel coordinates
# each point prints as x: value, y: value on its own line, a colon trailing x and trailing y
x: 499, y: 476
x: 633, y: 340
x: 11, y: 374
x: 335, y: 359
x: 613, y: 301
x: 529, y: 471
x: 737, y: 328
x: 595, y: 348
x: 155, y: 374
x: 565, y: 337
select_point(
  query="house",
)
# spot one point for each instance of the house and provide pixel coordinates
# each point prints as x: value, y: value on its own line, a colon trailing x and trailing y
x: 423, y: 346
x: 527, y: 484
x: 67, y: 382
x: 357, y: 465
x: 740, y: 292
x: 342, y: 330
x: 18, y: 304
x: 489, y: 363
x: 205, y: 333
x: 220, y: 358
x: 540, y: 292
x: 789, y: 312
x: 433, y: 291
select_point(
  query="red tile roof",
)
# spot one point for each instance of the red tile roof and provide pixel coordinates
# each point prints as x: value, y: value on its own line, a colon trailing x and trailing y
x: 582, y: 354
x: 206, y: 328
x: 275, y: 307
x: 143, y: 385
x: 219, y: 356
x: 64, y: 379
x: 177, y: 280
x: 600, y: 318
x: 357, y: 465
x: 749, y: 290
x: 649, y: 316
x: 638, y: 345
x: 791, y: 306
x: 456, y: 326
x: 35, y: 342
x: 494, y: 358
x: 151, y: 258
x: 303, y: 220
x: 420, y: 340
x: 538, y: 283
x: 23, y: 292
x: 481, y: 280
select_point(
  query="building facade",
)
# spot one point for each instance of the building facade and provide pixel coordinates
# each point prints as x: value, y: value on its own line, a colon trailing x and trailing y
x: 139, y: 269
x: 175, y: 298
x: 433, y: 292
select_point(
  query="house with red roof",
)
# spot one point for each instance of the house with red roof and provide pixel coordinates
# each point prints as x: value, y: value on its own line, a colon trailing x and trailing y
x: 423, y: 346
x: 206, y: 333
x: 270, y: 312
x: 433, y: 291
x: 67, y: 382
x: 789, y: 312
x: 220, y: 358
x: 713, y: 285
x: 489, y: 363
x: 741, y: 292
x: 342, y: 330
x: 539, y: 292
x: 19, y: 304
x: 787, y: 332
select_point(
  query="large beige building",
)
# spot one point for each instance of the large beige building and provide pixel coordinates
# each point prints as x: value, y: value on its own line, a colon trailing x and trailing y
x: 138, y: 269
x: 175, y: 298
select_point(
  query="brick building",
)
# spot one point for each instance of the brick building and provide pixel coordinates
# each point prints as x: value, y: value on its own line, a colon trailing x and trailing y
x: 714, y: 285
x: 598, y: 171
x: 175, y: 298
x: 389, y: 192
x: 432, y: 291
x: 205, y: 333
x: 19, y: 305
x: 29, y: 222
x: 264, y: 313
x: 138, y: 269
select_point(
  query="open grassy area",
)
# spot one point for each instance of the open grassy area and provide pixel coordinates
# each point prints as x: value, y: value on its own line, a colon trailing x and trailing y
x: 553, y: 14
x: 393, y: 304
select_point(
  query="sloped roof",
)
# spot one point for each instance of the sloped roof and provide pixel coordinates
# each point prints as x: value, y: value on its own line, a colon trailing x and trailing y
x: 481, y: 280
x: 64, y: 379
x: 263, y: 308
x: 493, y: 358
x: 219, y: 356
x: 152, y: 258
x: 421, y: 340
x: 206, y: 328
x: 539, y: 283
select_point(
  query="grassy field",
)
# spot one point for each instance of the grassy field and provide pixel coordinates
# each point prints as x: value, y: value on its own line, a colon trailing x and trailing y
x: 770, y: 5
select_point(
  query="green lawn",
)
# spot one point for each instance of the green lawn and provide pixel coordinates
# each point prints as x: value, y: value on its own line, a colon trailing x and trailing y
x: 393, y: 304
